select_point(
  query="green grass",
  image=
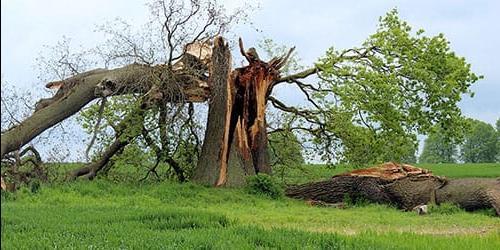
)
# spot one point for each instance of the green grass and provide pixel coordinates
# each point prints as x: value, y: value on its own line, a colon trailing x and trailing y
x: 489, y: 170
x: 105, y: 215
x: 307, y: 173
x: 314, y: 172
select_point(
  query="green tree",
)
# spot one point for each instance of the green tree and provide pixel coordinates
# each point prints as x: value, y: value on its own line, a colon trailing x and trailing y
x: 285, y: 152
x: 438, y: 149
x: 373, y: 99
x: 285, y: 149
x: 480, y: 143
x: 498, y: 140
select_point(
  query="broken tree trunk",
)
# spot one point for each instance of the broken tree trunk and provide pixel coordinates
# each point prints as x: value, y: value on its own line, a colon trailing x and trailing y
x: 471, y: 193
x: 235, y: 142
x: 402, y: 185
x: 76, y: 92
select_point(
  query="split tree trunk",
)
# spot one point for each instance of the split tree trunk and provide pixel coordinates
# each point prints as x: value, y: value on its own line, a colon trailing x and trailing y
x: 406, y: 190
x: 235, y: 142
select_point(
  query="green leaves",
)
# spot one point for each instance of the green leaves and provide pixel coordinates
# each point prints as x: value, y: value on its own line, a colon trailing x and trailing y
x: 438, y: 148
x: 398, y: 84
x: 480, y: 144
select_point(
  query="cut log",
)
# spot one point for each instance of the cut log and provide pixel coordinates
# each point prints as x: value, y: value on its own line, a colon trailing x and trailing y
x: 404, y: 186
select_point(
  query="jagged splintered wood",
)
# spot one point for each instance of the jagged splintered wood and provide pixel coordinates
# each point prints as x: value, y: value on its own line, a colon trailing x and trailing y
x: 236, y: 140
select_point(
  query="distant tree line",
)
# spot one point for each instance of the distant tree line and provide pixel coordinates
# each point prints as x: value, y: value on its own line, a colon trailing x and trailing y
x: 481, y: 144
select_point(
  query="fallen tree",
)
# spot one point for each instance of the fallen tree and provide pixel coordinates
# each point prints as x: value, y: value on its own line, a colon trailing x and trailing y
x: 404, y: 186
x: 380, y: 94
x: 76, y: 92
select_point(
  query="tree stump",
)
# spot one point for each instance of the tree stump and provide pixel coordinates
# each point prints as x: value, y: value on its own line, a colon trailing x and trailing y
x: 236, y: 138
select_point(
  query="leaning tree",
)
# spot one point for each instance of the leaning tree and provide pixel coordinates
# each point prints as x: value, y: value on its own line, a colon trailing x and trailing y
x: 363, y: 104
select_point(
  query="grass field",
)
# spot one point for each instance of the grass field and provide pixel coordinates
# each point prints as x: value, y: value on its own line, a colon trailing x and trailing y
x: 106, y: 215
x: 321, y: 172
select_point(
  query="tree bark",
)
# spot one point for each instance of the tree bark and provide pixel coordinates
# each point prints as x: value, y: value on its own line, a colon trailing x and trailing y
x: 235, y: 142
x: 213, y: 159
x: 472, y: 193
x: 90, y: 170
x: 78, y: 91
x: 405, y: 191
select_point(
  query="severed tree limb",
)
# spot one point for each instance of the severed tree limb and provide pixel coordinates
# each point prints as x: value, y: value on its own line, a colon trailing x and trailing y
x: 406, y: 193
x: 471, y: 193
x: 84, y: 88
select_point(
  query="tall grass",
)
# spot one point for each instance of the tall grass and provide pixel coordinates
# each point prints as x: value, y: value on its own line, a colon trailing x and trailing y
x: 106, y: 215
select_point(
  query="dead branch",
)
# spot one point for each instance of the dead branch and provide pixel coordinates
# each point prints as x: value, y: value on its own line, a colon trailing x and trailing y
x: 96, y: 126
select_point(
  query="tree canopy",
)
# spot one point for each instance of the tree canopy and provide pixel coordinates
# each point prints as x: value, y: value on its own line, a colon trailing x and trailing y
x: 438, y: 149
x: 480, y: 144
x: 371, y: 101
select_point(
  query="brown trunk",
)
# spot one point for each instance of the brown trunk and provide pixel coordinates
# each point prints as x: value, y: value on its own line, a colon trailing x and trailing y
x: 90, y: 170
x: 236, y: 138
x: 213, y: 158
x: 78, y: 91
x: 472, y: 193
x: 405, y: 189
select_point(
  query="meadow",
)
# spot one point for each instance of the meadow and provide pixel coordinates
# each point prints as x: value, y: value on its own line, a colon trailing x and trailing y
x: 317, y: 172
x: 106, y: 214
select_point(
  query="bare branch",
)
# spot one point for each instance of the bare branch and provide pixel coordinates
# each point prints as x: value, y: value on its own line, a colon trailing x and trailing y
x: 303, y: 74
x: 242, y: 50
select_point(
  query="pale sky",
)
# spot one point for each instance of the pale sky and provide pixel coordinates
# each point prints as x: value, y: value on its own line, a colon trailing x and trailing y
x: 312, y: 26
